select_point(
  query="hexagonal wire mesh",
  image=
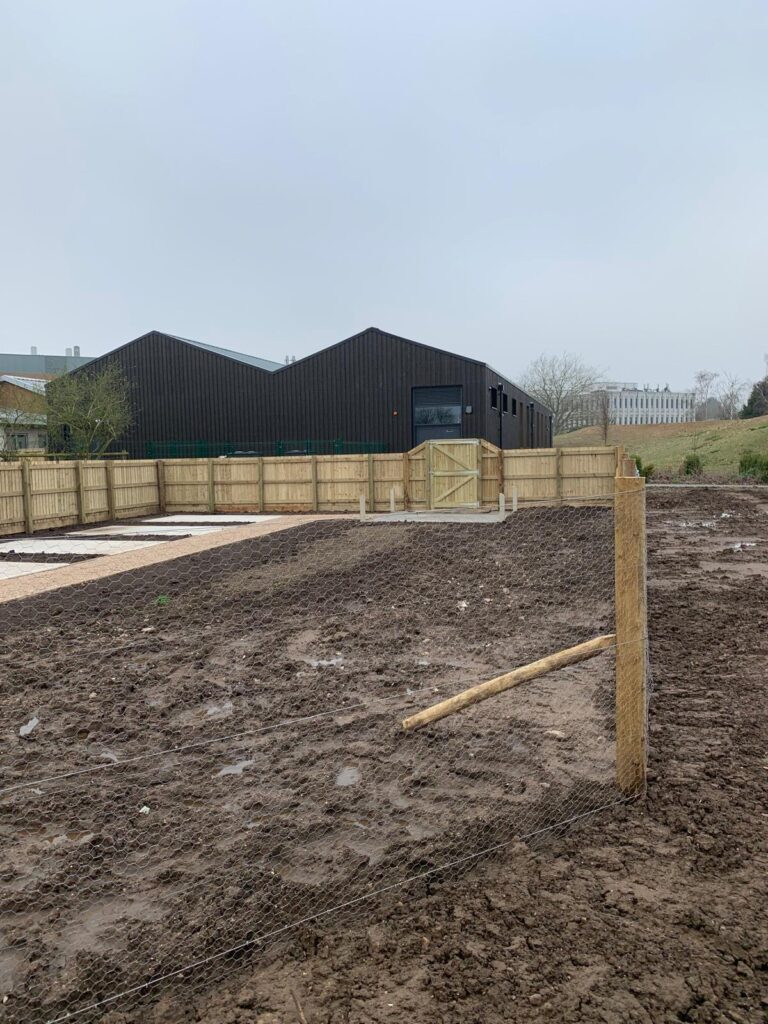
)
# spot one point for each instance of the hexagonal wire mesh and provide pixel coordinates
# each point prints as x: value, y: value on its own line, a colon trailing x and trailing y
x: 205, y: 753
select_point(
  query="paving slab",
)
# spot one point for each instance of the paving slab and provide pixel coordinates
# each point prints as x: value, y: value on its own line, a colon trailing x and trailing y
x: 9, y: 570
x: 72, y: 545
x: 212, y: 517
x: 143, y: 529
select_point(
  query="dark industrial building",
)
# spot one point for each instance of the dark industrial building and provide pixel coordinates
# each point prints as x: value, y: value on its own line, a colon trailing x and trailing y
x: 371, y: 392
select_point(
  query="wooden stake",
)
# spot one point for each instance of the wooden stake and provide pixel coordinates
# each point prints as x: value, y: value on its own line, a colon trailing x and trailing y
x: 502, y: 506
x: 261, y: 483
x: 514, y: 497
x: 406, y: 481
x: 631, y: 633
x: 475, y: 694
x: 26, y: 497
x: 362, y: 507
x: 371, y: 484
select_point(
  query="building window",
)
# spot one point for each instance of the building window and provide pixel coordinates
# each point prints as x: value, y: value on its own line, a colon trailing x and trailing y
x: 504, y: 402
x: 436, y: 413
x: 494, y: 398
x: 514, y: 407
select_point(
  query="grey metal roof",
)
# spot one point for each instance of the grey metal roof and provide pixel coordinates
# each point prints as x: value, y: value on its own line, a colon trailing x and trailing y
x: 242, y: 357
x: 28, y: 383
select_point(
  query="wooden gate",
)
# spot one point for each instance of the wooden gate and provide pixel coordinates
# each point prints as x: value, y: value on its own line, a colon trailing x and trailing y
x: 453, y: 473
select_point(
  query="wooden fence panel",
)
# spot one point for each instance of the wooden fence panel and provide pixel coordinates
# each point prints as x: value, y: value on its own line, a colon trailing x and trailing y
x: 534, y: 473
x: 135, y: 488
x: 587, y: 472
x: 186, y: 485
x: 388, y: 476
x: 236, y: 484
x: 341, y: 479
x: 418, y: 477
x: 94, y: 488
x: 54, y: 494
x: 11, y: 499
x: 288, y: 484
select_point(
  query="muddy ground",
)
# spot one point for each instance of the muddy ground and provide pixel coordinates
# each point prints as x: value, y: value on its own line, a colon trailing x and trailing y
x: 652, y: 912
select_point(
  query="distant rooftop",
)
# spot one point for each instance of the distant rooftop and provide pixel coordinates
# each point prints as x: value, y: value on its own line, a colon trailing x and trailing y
x: 28, y: 383
x: 242, y: 357
x: 35, y: 364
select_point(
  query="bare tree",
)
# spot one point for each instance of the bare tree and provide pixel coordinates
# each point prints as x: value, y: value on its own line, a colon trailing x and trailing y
x: 88, y: 411
x: 563, y: 384
x: 730, y: 394
x: 703, y: 384
x: 604, y: 415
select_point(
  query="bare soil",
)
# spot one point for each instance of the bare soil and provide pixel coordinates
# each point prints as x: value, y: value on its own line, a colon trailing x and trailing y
x: 650, y: 912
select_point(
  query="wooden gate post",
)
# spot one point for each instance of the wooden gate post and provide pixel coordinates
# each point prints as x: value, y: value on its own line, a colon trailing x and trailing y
x: 631, y: 633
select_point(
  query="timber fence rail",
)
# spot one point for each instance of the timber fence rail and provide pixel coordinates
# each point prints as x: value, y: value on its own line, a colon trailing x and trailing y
x: 205, y: 755
x: 37, y: 494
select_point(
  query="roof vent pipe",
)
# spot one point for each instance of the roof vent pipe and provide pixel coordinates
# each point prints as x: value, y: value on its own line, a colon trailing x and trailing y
x: 77, y: 351
x: 67, y: 351
x: 33, y: 350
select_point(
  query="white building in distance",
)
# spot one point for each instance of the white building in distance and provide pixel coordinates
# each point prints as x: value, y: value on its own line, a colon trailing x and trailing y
x: 630, y: 404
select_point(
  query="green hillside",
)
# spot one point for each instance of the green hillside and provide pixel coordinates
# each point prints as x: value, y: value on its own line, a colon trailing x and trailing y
x: 719, y: 443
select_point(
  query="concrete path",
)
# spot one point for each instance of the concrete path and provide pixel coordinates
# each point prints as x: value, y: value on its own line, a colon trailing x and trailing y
x: 72, y: 544
x: 10, y: 570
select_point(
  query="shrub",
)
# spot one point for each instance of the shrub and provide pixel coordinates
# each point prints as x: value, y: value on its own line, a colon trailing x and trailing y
x: 692, y: 465
x: 646, y: 470
x: 754, y: 465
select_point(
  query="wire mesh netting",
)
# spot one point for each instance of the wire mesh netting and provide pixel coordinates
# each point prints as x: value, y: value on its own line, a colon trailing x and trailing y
x: 205, y: 753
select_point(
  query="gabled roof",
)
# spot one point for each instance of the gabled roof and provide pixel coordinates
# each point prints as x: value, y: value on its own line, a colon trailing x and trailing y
x: 28, y: 383
x: 242, y: 357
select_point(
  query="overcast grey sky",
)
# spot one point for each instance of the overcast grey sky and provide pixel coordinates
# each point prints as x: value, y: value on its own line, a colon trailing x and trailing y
x: 494, y: 177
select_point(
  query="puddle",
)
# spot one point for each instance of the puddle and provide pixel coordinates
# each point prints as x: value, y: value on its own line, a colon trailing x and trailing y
x: 235, y: 769
x: 347, y: 777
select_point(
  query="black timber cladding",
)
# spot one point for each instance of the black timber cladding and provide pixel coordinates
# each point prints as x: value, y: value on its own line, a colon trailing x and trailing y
x: 359, y: 389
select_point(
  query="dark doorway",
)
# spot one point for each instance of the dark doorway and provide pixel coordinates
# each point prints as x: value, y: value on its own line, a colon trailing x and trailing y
x: 436, y: 413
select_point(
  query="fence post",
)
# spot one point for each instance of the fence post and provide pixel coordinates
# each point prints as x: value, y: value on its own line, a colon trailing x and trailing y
x: 211, y: 488
x: 406, y: 481
x: 161, y: 500
x: 109, y: 467
x: 80, y: 484
x: 500, y: 470
x: 559, y: 472
x: 631, y: 633
x: 26, y: 497
x: 261, y: 483
x: 313, y: 459
x: 428, y: 474
x: 371, y: 484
